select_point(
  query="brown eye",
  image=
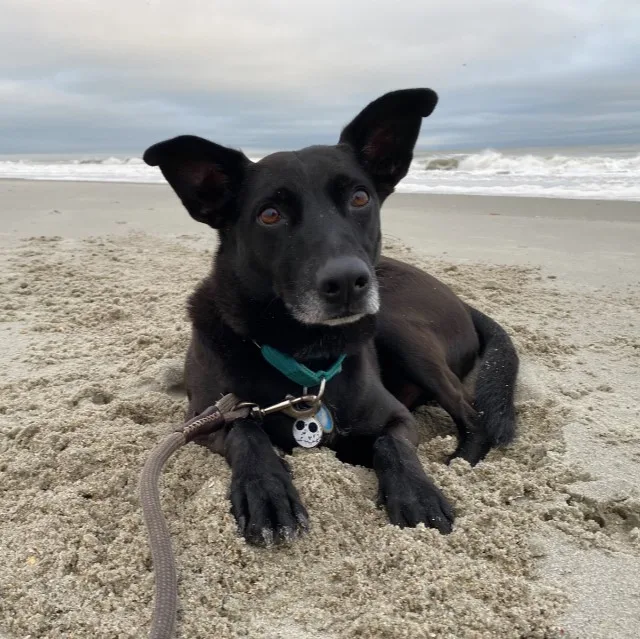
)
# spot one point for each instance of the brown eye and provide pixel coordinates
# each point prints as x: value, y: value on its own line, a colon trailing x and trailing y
x: 359, y: 199
x: 269, y: 216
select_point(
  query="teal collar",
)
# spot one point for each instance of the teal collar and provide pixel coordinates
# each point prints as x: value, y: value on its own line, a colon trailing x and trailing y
x: 296, y: 372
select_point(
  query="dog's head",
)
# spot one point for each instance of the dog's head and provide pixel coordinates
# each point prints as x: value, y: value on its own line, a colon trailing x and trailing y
x: 303, y: 225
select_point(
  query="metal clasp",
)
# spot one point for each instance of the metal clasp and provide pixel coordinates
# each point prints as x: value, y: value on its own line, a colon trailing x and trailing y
x: 296, y: 407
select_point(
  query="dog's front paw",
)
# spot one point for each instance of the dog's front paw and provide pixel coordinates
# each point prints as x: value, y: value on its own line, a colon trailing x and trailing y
x: 267, y: 507
x: 413, y: 500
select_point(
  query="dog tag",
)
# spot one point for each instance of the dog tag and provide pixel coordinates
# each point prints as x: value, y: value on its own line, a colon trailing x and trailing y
x: 324, y: 418
x: 307, y: 431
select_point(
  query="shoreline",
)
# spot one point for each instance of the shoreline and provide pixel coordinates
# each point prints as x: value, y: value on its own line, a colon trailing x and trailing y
x: 599, y: 201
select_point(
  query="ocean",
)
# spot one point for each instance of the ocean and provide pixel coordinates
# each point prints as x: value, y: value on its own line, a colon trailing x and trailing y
x: 610, y: 173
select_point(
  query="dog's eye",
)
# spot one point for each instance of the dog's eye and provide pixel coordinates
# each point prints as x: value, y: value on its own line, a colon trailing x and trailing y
x: 359, y: 199
x: 269, y: 216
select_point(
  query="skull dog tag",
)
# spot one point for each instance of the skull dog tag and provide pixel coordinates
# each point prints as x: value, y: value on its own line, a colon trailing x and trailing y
x: 307, y: 431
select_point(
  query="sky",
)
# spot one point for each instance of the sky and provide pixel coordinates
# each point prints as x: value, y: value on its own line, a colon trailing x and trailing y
x: 114, y: 76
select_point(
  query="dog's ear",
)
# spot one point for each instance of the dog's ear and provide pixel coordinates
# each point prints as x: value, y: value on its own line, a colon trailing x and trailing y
x: 384, y: 133
x: 206, y: 176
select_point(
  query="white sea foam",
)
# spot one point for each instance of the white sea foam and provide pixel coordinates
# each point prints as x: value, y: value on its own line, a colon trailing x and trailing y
x: 613, y: 174
x: 111, y: 169
x: 598, y: 176
x: 491, y: 162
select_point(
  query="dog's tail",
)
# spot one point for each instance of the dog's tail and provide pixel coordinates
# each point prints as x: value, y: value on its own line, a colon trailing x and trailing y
x: 496, y: 380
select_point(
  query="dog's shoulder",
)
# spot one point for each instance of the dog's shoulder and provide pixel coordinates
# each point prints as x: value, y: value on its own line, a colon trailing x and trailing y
x: 203, y: 307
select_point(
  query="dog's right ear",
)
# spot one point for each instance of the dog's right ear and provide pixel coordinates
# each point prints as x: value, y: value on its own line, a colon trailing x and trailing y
x: 206, y: 176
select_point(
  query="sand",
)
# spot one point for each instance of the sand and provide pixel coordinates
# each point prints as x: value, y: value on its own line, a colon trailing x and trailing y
x: 93, y: 283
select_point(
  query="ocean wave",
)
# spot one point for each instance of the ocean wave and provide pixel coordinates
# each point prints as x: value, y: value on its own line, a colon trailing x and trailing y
x: 111, y: 161
x: 86, y: 169
x: 588, y: 191
x: 491, y: 162
x: 442, y: 164
x: 484, y: 173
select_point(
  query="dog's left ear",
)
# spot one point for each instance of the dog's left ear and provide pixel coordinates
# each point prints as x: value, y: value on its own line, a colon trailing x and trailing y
x: 206, y: 176
x: 385, y: 132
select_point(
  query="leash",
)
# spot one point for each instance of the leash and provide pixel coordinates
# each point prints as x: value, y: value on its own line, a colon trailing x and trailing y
x: 164, y: 565
x: 223, y: 412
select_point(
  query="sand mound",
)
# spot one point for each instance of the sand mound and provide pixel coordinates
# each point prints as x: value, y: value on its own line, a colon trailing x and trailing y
x: 96, y: 330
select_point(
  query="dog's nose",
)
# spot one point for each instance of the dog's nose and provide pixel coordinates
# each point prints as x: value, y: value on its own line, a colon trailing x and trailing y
x: 344, y: 279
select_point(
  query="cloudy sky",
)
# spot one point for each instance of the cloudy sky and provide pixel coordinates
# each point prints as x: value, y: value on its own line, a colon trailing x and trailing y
x: 117, y: 75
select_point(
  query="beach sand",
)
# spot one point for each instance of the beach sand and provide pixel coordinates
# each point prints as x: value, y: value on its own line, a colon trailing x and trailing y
x: 93, y: 282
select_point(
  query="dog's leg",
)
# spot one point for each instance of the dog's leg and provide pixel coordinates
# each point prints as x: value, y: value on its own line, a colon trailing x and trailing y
x: 404, y: 489
x: 496, y: 380
x: 473, y: 440
x: 438, y: 381
x: 264, y: 500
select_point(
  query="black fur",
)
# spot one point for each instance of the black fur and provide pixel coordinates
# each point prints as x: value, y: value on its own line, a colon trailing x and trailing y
x: 495, y: 388
x: 299, y: 268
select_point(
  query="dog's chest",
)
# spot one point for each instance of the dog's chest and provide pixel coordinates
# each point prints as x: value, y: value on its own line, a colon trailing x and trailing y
x: 353, y: 403
x: 357, y: 411
x: 346, y: 410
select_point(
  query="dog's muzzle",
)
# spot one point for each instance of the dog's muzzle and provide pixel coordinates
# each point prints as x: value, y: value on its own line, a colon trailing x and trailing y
x: 346, y: 290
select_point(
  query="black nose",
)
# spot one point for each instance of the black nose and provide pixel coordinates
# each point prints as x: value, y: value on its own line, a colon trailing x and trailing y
x: 344, y: 279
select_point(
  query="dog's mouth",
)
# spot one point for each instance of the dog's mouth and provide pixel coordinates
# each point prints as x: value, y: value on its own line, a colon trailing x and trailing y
x: 344, y: 319
x: 309, y: 308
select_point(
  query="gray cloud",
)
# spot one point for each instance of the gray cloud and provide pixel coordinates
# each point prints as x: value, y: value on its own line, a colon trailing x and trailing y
x: 86, y: 75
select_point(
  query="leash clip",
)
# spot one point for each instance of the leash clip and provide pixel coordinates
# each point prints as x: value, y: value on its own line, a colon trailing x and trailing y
x: 296, y: 407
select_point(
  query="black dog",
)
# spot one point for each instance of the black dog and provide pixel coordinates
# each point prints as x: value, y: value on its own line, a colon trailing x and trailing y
x: 298, y: 269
